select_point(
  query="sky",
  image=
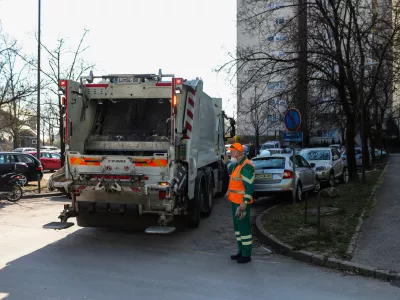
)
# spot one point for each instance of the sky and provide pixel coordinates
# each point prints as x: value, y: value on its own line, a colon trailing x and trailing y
x: 187, y: 38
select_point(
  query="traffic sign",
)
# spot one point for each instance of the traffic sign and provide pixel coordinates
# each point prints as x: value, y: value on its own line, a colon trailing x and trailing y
x: 292, y: 119
x: 293, y: 137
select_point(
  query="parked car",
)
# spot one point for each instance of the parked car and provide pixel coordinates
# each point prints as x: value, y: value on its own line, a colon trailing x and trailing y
x: 274, y: 175
x: 329, y: 165
x: 20, y: 150
x: 8, y: 160
x: 358, y: 157
x: 270, y: 145
x: 50, y: 160
x: 268, y: 152
x: 50, y: 149
x: 250, y: 150
x: 336, y: 146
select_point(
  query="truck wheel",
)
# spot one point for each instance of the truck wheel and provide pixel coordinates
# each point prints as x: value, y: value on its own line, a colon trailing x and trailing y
x: 208, y: 200
x: 225, y: 184
x: 82, y: 221
x: 195, y: 204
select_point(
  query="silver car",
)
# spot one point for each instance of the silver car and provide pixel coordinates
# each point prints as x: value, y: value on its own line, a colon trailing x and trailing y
x: 274, y: 175
x: 328, y: 164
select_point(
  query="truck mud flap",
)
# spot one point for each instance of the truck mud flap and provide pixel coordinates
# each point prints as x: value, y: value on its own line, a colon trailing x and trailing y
x: 160, y: 230
x: 58, y: 225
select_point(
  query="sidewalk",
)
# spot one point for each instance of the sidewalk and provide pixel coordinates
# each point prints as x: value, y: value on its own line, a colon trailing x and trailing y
x: 379, y: 240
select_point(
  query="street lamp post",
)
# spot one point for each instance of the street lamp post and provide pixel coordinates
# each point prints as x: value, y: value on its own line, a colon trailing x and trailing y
x: 362, y: 123
x: 38, y: 94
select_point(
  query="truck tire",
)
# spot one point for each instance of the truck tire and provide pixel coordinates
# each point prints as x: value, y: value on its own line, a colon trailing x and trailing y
x: 195, y: 204
x: 82, y: 221
x: 225, y: 183
x: 208, y: 200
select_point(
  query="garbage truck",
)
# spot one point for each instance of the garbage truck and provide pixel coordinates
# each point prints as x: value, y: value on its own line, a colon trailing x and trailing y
x: 140, y: 145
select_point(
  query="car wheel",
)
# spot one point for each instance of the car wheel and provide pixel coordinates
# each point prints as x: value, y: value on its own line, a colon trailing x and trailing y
x: 345, y: 176
x: 331, y: 179
x: 299, y: 193
x: 23, y: 179
x: 317, y: 186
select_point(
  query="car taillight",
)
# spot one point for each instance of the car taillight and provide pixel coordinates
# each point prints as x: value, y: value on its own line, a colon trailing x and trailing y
x: 287, y: 174
x: 40, y: 168
x: 162, y: 194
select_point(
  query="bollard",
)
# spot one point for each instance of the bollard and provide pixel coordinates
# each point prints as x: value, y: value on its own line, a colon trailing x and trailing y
x: 38, y: 180
x: 319, y: 214
x: 305, y: 208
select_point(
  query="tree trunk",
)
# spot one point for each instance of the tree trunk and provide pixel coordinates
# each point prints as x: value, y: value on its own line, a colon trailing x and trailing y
x: 257, y: 138
x: 17, y: 139
x: 351, y: 154
x: 364, y: 145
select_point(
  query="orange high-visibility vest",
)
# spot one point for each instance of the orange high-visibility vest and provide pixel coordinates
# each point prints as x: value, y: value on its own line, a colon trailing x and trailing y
x: 236, y: 189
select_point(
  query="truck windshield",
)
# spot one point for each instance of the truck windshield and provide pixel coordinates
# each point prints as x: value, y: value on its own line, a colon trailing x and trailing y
x: 132, y: 120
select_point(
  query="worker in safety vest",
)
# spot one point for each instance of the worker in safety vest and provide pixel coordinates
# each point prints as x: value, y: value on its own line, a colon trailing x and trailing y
x: 240, y: 193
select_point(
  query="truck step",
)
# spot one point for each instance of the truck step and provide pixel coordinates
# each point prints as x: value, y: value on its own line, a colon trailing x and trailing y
x: 58, y: 225
x: 159, y: 230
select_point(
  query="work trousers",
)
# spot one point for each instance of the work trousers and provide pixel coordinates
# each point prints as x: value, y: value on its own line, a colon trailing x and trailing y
x: 243, y: 230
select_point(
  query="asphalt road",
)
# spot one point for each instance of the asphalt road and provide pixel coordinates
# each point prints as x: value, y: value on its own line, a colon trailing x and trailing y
x: 86, y: 263
x: 379, y: 240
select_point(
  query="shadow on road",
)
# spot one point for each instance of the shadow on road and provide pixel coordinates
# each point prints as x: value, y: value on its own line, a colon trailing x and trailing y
x: 53, y: 270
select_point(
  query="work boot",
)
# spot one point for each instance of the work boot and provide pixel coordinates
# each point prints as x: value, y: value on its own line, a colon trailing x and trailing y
x: 244, y: 259
x: 236, y: 256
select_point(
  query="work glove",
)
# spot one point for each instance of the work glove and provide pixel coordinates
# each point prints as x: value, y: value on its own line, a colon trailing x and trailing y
x: 240, y: 214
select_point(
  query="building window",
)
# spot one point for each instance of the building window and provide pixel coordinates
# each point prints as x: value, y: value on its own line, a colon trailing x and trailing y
x: 34, y: 142
x: 276, y: 85
x: 273, y: 118
x: 276, y: 38
x: 275, y: 5
x: 279, y: 21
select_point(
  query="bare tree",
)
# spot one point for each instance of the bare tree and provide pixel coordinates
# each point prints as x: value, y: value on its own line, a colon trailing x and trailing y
x: 339, y: 41
x: 63, y: 63
x: 16, y: 88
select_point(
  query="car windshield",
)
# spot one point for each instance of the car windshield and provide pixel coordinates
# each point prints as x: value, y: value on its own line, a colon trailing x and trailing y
x: 269, y: 163
x: 267, y: 146
x: 316, y: 154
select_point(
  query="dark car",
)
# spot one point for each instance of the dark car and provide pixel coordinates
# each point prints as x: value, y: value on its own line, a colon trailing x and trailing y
x: 8, y: 160
x: 250, y: 150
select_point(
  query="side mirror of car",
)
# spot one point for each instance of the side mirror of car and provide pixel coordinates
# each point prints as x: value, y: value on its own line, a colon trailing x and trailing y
x: 312, y: 165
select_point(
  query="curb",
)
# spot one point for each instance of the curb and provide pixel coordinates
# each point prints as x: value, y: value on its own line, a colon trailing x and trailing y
x: 320, y: 259
x: 354, y: 238
x: 28, y: 196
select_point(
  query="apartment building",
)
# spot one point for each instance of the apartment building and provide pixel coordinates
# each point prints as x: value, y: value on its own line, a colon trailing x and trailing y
x: 266, y: 102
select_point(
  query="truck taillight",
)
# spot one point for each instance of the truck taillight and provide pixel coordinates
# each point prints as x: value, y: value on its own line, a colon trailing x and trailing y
x: 146, y: 177
x: 287, y: 174
x: 63, y: 101
x: 162, y: 194
x: 174, y: 101
x: 63, y: 83
x: 178, y: 81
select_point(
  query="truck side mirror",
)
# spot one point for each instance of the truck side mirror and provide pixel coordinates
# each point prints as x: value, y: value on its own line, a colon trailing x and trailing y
x: 233, y: 132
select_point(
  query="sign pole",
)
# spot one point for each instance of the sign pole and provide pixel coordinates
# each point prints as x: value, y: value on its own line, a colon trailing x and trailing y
x: 294, y: 173
x: 292, y: 122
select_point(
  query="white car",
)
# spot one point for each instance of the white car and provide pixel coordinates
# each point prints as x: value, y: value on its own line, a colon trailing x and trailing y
x: 50, y: 149
x: 28, y: 149
x: 329, y: 166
